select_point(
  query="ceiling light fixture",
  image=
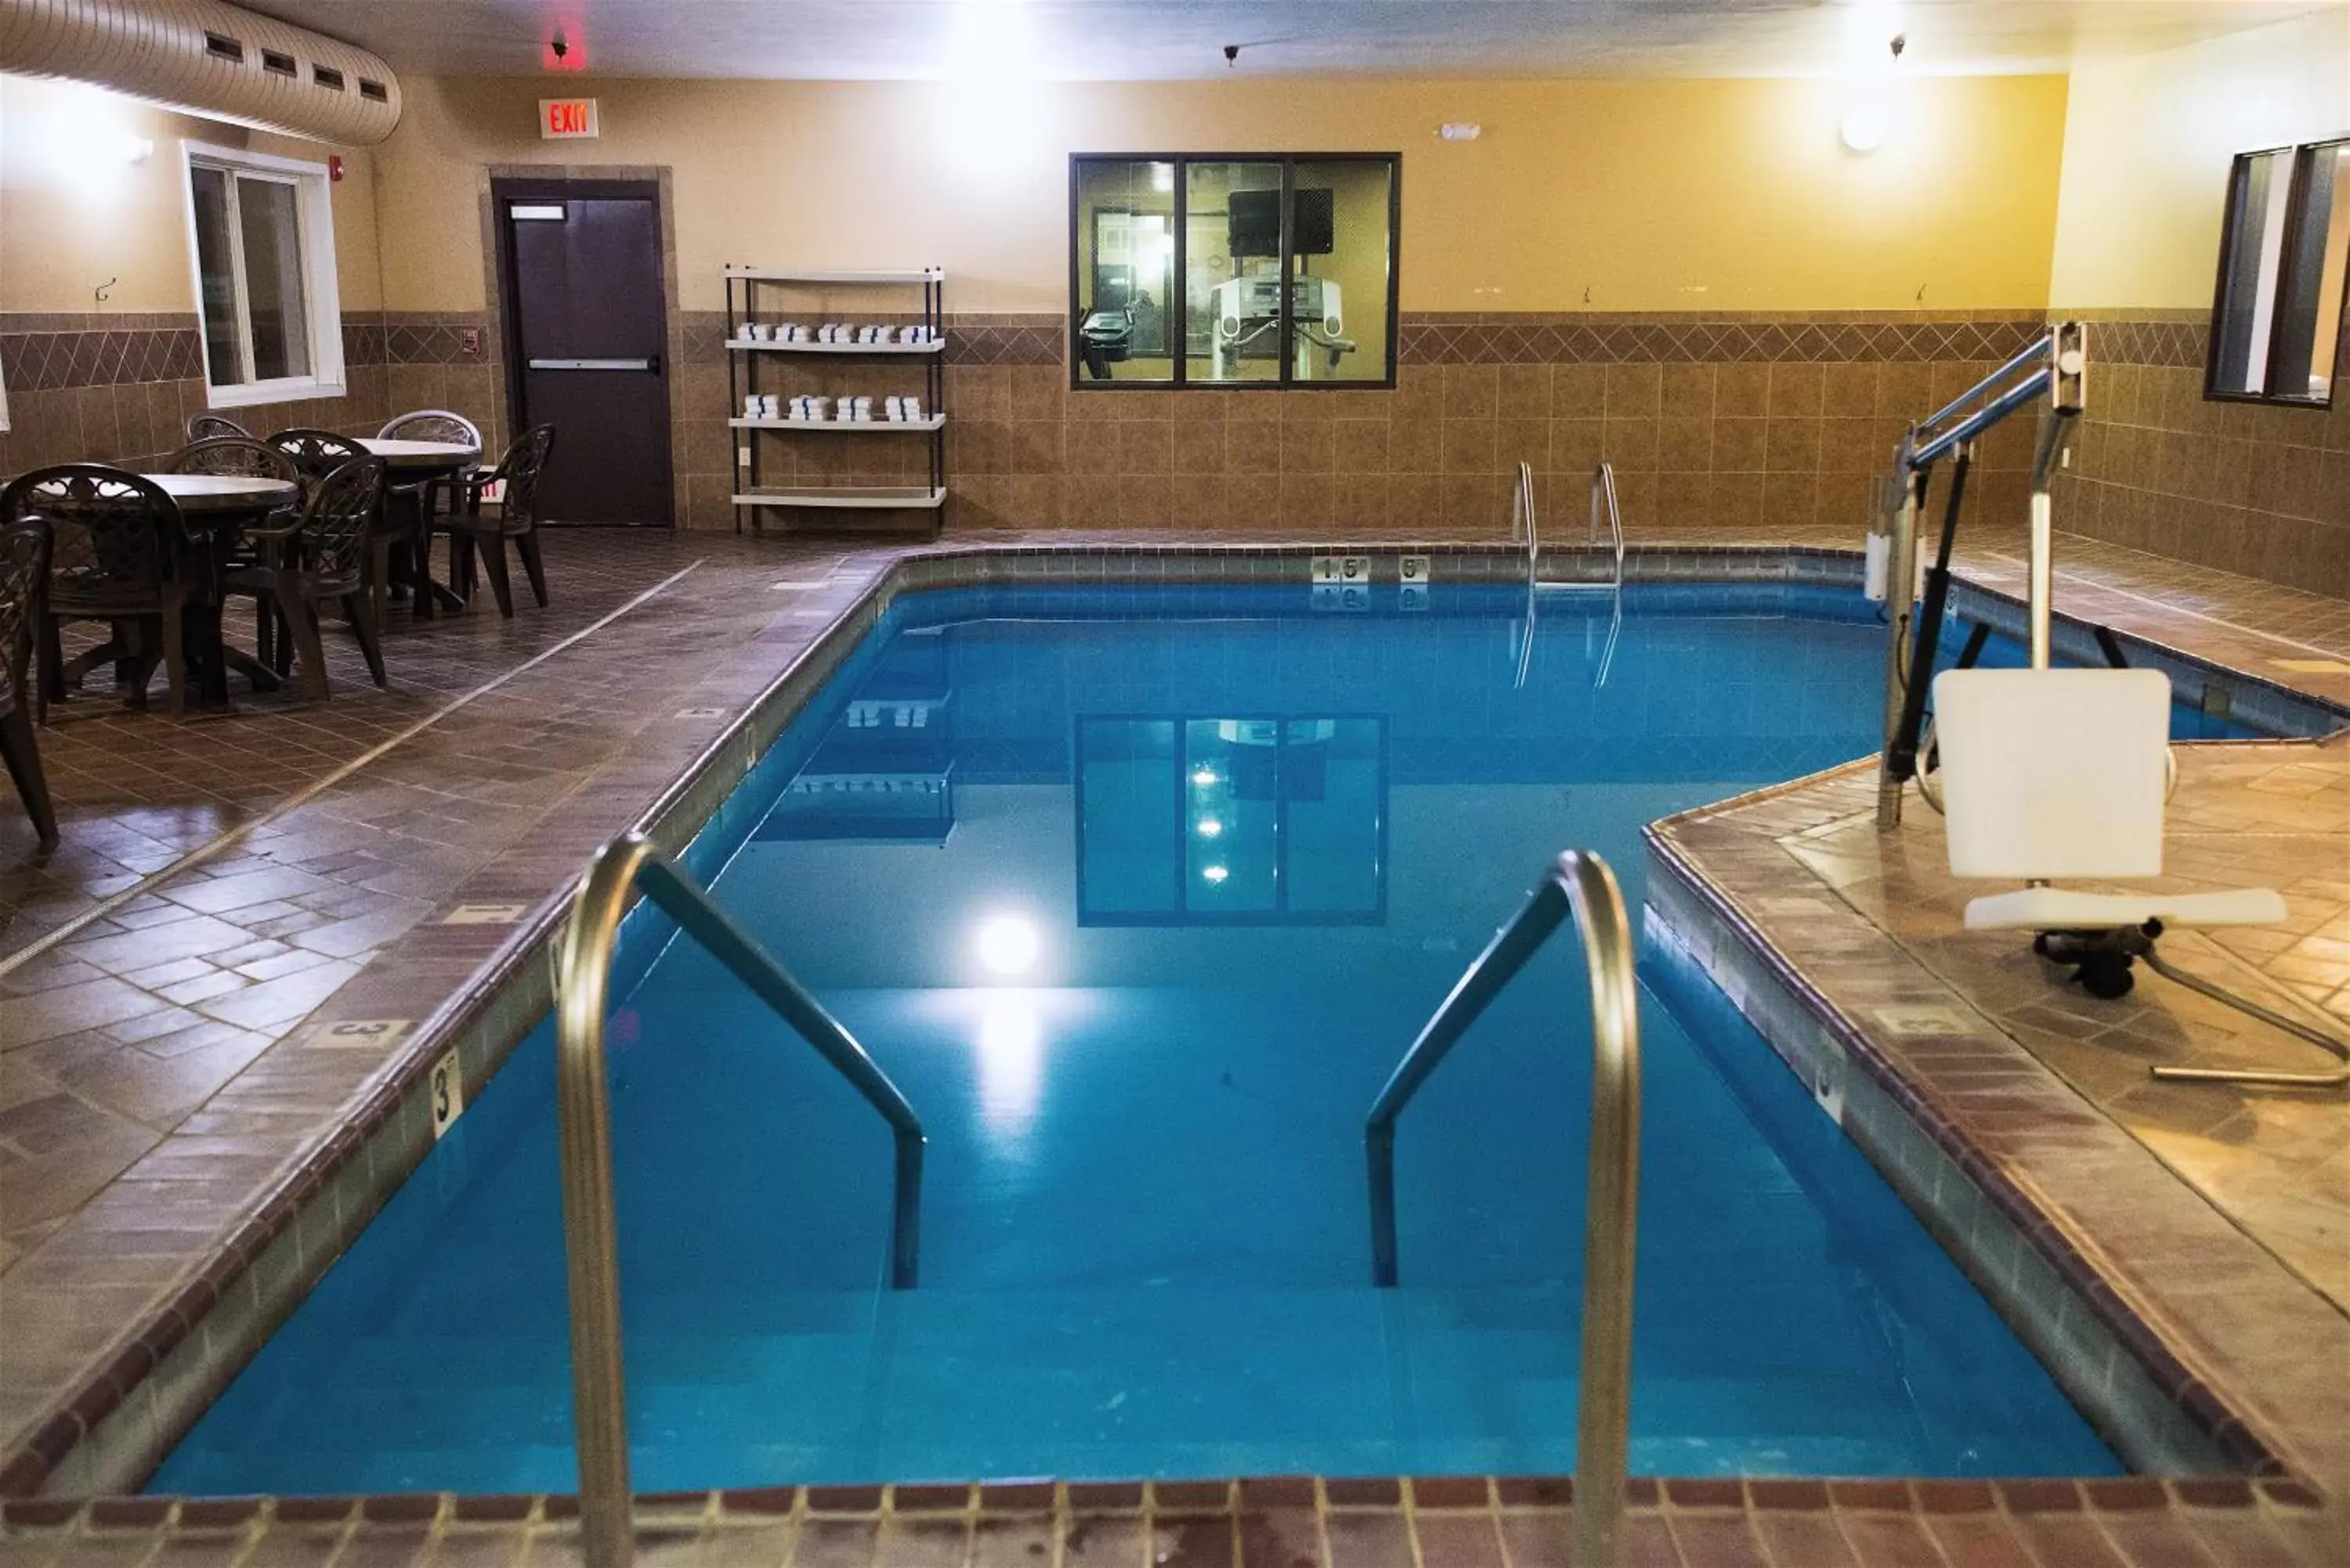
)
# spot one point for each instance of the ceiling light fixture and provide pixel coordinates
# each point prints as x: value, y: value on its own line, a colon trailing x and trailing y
x: 1863, y: 131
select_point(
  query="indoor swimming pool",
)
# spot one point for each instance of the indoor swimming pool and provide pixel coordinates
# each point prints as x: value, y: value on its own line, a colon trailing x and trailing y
x: 1138, y: 896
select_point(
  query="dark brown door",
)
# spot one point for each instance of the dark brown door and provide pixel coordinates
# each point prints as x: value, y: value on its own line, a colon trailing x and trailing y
x: 585, y: 341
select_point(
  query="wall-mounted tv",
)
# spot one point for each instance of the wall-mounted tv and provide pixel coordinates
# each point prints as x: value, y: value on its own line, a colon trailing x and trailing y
x: 1254, y: 221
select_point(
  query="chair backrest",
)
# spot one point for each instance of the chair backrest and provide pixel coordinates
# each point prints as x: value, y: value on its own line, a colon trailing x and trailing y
x: 105, y: 523
x: 432, y: 424
x: 521, y: 466
x: 238, y: 455
x: 336, y: 517
x: 24, y: 566
x: 203, y: 427
x: 317, y: 454
x: 2054, y: 773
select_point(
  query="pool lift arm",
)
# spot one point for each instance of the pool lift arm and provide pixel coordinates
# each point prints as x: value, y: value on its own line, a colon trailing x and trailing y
x: 2052, y: 372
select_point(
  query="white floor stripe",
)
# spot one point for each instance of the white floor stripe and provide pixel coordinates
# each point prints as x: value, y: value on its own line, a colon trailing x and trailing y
x: 311, y: 792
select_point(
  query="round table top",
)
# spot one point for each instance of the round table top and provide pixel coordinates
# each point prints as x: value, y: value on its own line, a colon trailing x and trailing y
x: 222, y: 492
x: 397, y: 452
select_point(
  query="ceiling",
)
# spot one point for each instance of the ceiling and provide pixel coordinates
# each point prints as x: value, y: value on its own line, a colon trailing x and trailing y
x: 1157, y: 39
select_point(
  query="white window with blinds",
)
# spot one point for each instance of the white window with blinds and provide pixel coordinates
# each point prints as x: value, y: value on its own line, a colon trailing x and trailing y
x: 261, y: 237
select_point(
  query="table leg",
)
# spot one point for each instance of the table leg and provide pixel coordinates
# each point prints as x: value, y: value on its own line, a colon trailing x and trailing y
x: 206, y: 650
x: 264, y: 679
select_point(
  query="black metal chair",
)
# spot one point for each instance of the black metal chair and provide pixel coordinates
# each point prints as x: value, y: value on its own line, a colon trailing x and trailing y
x: 244, y: 458
x: 117, y: 552
x: 240, y: 456
x: 204, y: 427
x: 432, y: 424
x: 318, y: 557
x: 315, y: 454
x: 471, y: 534
x: 23, y: 569
x: 419, y: 501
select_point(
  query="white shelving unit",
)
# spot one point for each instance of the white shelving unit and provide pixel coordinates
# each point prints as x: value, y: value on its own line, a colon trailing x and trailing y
x: 756, y: 293
x: 844, y: 427
x: 852, y: 497
x: 756, y: 345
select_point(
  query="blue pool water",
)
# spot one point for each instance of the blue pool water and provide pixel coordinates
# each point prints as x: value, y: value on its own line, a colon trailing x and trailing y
x: 1145, y: 1236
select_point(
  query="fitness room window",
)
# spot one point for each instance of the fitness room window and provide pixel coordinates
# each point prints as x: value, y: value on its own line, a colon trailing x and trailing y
x: 261, y: 236
x: 2276, y: 325
x: 1251, y: 269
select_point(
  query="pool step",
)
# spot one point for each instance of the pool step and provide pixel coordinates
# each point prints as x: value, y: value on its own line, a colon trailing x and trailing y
x: 844, y: 1385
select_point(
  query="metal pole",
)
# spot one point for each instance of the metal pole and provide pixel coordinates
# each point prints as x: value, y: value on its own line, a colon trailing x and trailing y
x: 1582, y: 884
x: 2038, y: 348
x: 584, y: 1123
x: 583, y: 969
x: 1603, y: 1424
x: 1900, y: 606
x: 2067, y: 388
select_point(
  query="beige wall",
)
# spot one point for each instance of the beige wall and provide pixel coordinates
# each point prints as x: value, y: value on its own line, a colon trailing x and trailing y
x: 74, y: 212
x: 2147, y: 142
x: 1609, y: 195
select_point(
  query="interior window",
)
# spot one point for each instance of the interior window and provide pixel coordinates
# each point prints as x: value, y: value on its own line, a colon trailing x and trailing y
x: 1341, y: 250
x: 264, y: 274
x: 1268, y: 270
x: 1126, y: 270
x: 1231, y: 270
x: 2276, y: 325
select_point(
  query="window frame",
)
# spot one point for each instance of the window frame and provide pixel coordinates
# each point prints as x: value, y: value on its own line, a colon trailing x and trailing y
x: 2303, y: 158
x: 1179, y: 324
x: 322, y: 297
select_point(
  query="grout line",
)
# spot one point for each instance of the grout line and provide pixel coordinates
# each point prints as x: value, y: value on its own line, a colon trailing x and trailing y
x: 312, y: 791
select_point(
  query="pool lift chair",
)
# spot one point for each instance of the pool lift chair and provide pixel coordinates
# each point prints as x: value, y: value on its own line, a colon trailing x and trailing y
x: 2045, y: 772
x: 2050, y: 773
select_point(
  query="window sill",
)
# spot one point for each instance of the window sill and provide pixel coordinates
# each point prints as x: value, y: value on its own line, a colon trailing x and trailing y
x: 245, y: 395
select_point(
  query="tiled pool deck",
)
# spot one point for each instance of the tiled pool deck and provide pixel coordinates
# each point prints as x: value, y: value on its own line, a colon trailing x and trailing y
x: 166, y: 1100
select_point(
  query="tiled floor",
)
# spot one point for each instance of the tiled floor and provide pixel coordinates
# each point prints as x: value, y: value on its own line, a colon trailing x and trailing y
x: 152, y: 1082
x: 2277, y: 1163
x: 141, y: 1108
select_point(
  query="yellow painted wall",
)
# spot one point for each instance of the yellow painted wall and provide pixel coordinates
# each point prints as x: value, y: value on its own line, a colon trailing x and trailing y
x: 1609, y: 195
x: 74, y: 212
x: 2148, y: 143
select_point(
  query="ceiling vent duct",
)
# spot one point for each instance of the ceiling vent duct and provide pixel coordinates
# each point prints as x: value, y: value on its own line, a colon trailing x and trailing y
x: 206, y: 58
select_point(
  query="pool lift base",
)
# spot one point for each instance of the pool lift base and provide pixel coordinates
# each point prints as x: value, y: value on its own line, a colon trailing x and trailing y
x: 2101, y: 960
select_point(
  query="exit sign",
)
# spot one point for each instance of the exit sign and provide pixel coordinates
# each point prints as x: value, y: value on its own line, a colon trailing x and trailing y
x: 565, y: 119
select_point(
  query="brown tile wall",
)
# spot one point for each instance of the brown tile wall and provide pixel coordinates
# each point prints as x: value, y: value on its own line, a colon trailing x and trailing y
x: 1773, y: 422
x: 2245, y: 487
x: 121, y: 387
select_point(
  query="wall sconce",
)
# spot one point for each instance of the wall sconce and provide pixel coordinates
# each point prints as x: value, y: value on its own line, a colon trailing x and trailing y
x: 1863, y: 131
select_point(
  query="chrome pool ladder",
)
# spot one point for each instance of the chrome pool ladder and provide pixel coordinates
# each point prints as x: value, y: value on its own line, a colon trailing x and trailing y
x: 1581, y: 883
x: 1521, y: 520
x: 1605, y: 514
x: 1604, y: 510
x: 583, y: 975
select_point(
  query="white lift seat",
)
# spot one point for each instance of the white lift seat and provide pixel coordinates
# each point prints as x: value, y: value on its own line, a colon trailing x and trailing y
x: 2061, y: 773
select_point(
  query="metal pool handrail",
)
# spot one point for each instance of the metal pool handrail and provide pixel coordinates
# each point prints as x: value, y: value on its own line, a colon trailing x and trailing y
x: 583, y: 973
x: 1603, y: 505
x: 1582, y: 884
x: 1522, y: 519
